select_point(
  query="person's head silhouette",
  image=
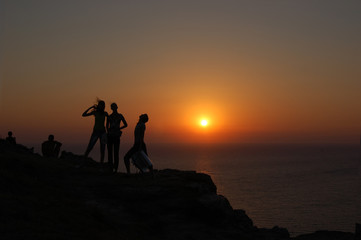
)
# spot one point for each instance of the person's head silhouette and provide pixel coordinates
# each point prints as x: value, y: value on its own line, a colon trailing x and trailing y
x: 144, y: 118
x: 114, y: 107
x: 51, y: 137
x: 101, y: 106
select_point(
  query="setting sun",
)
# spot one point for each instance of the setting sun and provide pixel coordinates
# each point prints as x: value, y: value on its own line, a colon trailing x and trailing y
x: 204, y: 122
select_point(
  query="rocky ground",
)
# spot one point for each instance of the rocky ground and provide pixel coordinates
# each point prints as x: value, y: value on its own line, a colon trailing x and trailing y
x: 76, y: 198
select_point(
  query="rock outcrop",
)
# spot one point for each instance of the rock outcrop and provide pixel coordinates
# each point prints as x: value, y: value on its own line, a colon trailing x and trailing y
x: 77, y: 198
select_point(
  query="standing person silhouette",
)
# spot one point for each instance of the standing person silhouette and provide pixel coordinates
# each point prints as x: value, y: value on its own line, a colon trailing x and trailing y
x: 139, y: 143
x: 114, y: 133
x: 99, y: 128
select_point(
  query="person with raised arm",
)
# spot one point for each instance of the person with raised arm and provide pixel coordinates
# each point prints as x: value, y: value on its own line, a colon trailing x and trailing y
x: 98, y: 111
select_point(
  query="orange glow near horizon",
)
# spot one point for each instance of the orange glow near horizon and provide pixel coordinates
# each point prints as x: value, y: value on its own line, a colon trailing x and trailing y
x: 276, y: 83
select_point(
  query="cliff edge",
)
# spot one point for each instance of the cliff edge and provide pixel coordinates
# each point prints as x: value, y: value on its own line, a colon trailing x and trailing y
x: 75, y: 198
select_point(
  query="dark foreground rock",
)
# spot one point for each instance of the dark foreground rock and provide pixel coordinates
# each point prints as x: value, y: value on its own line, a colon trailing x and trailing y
x: 327, y: 235
x: 76, y: 198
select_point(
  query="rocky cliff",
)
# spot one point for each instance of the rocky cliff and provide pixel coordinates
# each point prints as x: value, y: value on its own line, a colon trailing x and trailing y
x: 77, y: 198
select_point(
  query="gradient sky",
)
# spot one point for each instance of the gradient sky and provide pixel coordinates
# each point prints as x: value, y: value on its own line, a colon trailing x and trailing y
x: 259, y: 71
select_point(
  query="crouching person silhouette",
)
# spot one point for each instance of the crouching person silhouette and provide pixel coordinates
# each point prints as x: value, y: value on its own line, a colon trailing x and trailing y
x: 10, y: 138
x: 51, y: 148
x: 139, y: 143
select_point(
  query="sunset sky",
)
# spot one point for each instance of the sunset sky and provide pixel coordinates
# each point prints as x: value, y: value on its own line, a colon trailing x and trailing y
x: 258, y: 71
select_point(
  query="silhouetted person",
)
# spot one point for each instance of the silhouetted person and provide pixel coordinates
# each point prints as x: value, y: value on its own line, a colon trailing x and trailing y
x: 51, y: 148
x: 114, y: 133
x: 10, y: 138
x: 139, y: 143
x: 98, y: 129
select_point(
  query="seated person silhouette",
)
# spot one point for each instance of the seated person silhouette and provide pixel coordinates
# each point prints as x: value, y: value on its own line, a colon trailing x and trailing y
x: 10, y: 138
x: 51, y: 148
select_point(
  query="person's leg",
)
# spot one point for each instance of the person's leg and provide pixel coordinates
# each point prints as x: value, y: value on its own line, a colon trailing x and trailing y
x: 103, y: 141
x: 102, y: 152
x: 116, y: 153
x: 144, y: 148
x: 92, y: 141
x: 151, y: 170
x: 127, y: 157
x: 110, y: 152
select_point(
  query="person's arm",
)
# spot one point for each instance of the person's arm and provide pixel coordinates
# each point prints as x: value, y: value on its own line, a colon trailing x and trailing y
x: 137, y: 134
x: 43, y: 149
x: 125, y: 124
x: 86, y: 113
x: 142, y: 131
x: 107, y: 125
x: 141, y: 136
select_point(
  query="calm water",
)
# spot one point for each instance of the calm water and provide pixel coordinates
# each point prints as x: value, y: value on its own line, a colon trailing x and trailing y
x: 301, y: 188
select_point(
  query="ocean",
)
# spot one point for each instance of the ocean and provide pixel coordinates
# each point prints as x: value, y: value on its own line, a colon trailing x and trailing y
x: 303, y: 188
